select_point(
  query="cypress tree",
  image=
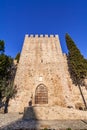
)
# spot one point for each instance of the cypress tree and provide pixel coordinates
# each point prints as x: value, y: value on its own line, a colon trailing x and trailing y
x: 77, y: 64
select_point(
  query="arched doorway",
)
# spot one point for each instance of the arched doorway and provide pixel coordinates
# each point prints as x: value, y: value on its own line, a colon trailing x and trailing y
x: 41, y: 94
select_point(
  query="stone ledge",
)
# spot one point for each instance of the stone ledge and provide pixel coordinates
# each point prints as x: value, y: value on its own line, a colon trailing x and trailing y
x: 53, y: 113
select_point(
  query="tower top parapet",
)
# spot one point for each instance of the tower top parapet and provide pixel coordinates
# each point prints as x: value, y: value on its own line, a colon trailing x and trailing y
x: 41, y: 35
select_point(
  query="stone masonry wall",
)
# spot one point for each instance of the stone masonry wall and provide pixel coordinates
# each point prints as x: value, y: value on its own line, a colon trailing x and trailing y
x: 41, y: 62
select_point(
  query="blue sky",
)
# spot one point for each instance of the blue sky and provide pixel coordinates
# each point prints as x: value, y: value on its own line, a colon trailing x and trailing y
x: 20, y: 17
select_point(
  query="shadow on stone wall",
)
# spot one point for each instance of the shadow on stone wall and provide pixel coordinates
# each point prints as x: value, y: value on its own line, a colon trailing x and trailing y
x: 29, y: 113
x: 27, y: 121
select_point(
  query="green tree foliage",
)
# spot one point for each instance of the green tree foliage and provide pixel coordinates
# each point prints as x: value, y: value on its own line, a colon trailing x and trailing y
x: 77, y: 64
x: 17, y: 57
x: 2, y: 46
x: 6, y: 64
x: 6, y: 75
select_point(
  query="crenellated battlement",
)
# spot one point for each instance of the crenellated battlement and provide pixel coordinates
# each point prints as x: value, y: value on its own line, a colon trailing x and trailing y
x: 41, y: 35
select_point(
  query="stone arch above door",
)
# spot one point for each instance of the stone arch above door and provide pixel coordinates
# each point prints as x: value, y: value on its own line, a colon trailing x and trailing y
x: 41, y: 94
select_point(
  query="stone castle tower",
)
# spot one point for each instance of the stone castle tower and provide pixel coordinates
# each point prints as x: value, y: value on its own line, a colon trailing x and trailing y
x: 42, y: 76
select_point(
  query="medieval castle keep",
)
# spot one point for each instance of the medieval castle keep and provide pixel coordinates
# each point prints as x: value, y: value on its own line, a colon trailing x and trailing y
x: 42, y: 78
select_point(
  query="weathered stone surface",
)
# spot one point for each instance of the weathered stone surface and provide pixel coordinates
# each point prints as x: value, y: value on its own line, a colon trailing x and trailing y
x: 53, y: 113
x: 14, y: 121
x: 42, y: 63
